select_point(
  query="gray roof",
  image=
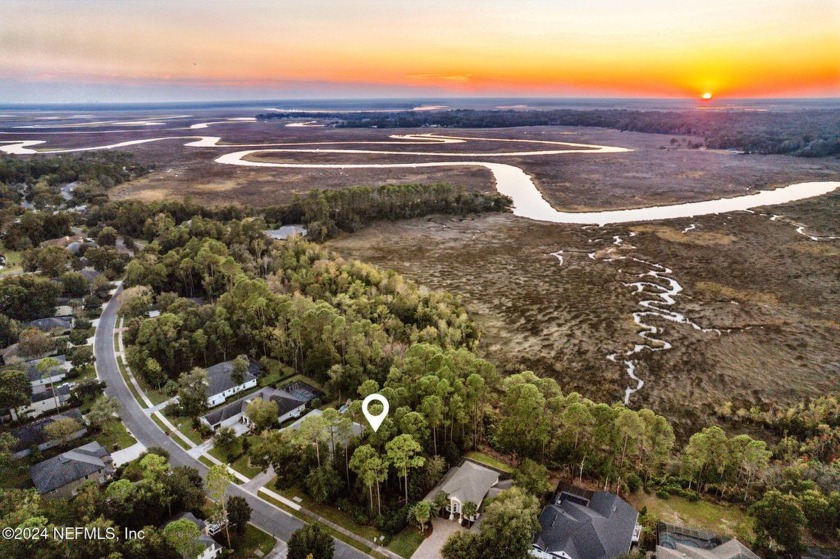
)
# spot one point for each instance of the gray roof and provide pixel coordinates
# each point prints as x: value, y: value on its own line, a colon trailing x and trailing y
x: 71, y: 466
x: 286, y: 402
x: 51, y: 323
x: 35, y: 374
x: 219, y: 376
x: 33, y: 433
x: 470, y: 483
x: 600, y: 530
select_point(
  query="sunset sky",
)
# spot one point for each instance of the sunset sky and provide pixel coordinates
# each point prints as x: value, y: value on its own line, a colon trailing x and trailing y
x: 106, y: 51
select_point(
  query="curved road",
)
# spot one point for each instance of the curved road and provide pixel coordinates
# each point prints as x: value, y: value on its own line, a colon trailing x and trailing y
x: 265, y: 516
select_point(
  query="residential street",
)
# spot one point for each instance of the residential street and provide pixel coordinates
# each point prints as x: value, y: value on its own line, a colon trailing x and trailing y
x: 265, y: 516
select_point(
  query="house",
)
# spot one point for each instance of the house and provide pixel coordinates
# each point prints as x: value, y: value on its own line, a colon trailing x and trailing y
x: 291, y: 401
x: 581, y: 524
x: 52, y: 323
x: 209, y: 548
x: 33, y: 434
x: 59, y: 477
x: 468, y: 483
x: 49, y: 377
x: 678, y: 542
x: 63, y: 242
x: 44, y: 399
x: 220, y: 383
x: 356, y: 429
x: 63, y: 310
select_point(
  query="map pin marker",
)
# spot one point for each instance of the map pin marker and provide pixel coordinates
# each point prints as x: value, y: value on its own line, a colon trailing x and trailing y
x: 375, y: 420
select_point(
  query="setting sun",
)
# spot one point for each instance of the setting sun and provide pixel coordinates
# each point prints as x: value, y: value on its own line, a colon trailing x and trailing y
x: 706, y: 96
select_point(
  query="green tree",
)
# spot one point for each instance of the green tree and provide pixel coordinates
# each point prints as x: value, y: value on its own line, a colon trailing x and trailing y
x: 404, y: 454
x: 422, y: 513
x: 15, y: 389
x: 183, y: 535
x: 192, y: 392
x: 510, y: 522
x: 240, y: 368
x: 239, y: 513
x: 778, y: 519
x: 371, y: 469
x: 532, y: 477
x: 262, y: 413
x: 107, y: 237
x: 225, y: 440
x: 34, y: 342
x: 217, y: 482
x: 102, y: 412
x: 311, y: 541
x: 62, y: 429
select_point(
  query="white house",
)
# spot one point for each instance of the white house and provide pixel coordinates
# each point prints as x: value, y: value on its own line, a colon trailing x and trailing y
x: 220, y: 384
x: 291, y: 402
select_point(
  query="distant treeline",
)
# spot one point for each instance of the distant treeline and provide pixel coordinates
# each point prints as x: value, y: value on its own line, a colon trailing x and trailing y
x: 812, y: 133
x: 324, y: 212
x: 108, y: 168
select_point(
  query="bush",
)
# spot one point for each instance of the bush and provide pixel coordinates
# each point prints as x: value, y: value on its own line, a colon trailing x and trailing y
x: 662, y: 494
x: 393, y: 521
x: 633, y: 483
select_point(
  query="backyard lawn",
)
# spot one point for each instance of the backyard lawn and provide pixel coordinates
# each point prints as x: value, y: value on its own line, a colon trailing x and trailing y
x: 725, y: 520
x: 114, y: 436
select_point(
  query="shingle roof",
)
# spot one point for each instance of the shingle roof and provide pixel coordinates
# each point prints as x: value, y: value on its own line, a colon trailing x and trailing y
x: 51, y: 323
x: 33, y: 433
x: 35, y: 374
x: 286, y: 402
x: 219, y: 376
x: 470, y: 483
x: 70, y: 466
x: 601, y: 530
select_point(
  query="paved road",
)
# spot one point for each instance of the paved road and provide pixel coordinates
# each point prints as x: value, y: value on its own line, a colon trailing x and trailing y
x: 265, y: 516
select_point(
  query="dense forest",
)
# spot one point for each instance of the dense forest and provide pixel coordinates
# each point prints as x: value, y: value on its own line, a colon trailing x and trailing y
x: 811, y: 133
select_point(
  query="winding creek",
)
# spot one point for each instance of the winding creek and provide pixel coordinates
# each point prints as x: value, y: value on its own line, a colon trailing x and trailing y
x: 657, y: 287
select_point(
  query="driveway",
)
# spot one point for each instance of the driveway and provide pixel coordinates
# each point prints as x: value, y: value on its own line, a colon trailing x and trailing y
x: 265, y: 516
x: 431, y: 546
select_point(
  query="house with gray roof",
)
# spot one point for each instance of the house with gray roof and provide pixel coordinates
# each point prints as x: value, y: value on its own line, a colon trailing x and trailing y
x: 581, y: 524
x: 291, y: 401
x: 59, y: 477
x: 44, y: 399
x: 467, y: 483
x: 33, y: 434
x: 50, y: 376
x: 52, y: 323
x: 220, y: 383
x: 209, y: 549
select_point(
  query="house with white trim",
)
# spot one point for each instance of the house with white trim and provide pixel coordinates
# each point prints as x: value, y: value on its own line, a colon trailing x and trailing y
x: 468, y: 483
x: 221, y: 385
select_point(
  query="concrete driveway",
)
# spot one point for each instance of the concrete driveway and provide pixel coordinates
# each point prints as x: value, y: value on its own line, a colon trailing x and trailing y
x: 431, y: 546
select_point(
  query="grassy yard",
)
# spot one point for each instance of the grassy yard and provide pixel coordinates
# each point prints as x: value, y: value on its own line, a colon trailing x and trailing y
x: 254, y: 539
x: 13, y: 260
x: 724, y: 519
x: 237, y: 460
x: 332, y: 514
x: 337, y: 535
x: 482, y: 458
x: 168, y: 431
x: 115, y: 437
x: 185, y: 425
x: 406, y: 542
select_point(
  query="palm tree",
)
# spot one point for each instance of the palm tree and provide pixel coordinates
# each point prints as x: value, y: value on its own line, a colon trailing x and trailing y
x: 469, y: 510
